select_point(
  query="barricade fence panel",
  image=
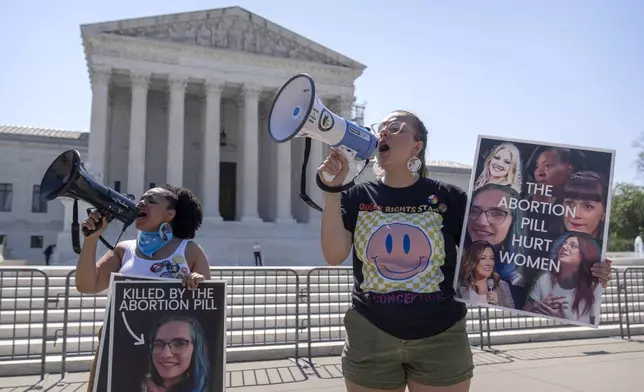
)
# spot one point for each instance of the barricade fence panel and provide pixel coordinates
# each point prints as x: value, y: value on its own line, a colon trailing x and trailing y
x: 265, y: 307
x: 633, y: 281
x: 328, y: 297
x: 84, y: 315
x: 24, y: 324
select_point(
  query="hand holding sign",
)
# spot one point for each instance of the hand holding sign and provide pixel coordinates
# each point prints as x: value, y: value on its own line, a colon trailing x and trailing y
x: 602, y: 272
x: 192, y: 281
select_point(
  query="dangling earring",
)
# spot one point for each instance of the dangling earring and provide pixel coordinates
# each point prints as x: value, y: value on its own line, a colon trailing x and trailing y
x: 413, y: 165
x: 165, y: 231
x: 377, y: 169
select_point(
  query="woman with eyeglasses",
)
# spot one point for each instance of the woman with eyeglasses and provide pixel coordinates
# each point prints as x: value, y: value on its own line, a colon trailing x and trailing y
x: 494, y: 223
x: 178, y: 356
x: 404, y: 328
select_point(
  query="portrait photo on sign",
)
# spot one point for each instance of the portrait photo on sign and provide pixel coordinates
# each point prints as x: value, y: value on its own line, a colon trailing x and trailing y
x: 536, y: 221
x: 102, y: 358
x: 164, y: 335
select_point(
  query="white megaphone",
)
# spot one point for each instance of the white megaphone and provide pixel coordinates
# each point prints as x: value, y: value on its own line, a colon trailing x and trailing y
x: 298, y: 112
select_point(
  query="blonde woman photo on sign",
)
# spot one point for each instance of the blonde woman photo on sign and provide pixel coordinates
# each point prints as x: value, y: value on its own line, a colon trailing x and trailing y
x: 502, y: 166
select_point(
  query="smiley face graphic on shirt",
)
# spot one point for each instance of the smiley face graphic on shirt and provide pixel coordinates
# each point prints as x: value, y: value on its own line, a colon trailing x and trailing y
x: 399, y: 251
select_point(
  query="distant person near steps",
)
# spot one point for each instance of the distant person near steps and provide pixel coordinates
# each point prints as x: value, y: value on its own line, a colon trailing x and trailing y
x: 49, y: 251
x: 257, y: 251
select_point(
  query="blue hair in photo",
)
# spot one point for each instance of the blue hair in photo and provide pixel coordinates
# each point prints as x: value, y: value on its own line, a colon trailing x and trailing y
x: 197, y: 378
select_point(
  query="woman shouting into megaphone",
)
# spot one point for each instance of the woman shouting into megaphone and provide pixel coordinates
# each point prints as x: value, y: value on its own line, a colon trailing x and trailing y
x: 170, y: 218
x: 404, y: 329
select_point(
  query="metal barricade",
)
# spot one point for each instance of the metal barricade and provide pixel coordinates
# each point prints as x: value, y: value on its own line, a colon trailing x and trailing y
x: 611, y: 306
x: 24, y: 297
x: 633, y: 279
x: 263, y: 307
x: 263, y: 310
x: 84, y: 316
x: 480, y: 316
x: 328, y: 297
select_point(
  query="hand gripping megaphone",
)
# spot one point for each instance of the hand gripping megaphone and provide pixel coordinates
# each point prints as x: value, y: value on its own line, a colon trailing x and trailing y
x: 297, y: 111
x: 67, y: 177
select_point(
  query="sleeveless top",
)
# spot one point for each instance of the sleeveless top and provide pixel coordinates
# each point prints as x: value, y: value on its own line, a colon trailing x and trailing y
x: 173, y: 267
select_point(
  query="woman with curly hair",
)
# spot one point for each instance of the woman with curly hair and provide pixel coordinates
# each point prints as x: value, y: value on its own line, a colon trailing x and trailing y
x: 478, y: 280
x: 163, y: 248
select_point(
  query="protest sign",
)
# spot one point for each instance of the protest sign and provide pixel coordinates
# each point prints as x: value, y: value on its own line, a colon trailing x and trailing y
x: 163, y: 335
x: 536, y: 221
x: 100, y: 377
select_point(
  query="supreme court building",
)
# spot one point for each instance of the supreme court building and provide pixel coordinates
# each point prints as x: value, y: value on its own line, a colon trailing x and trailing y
x: 184, y: 99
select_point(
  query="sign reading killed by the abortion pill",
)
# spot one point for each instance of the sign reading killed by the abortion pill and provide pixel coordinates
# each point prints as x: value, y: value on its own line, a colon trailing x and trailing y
x: 164, y: 336
x: 536, y: 222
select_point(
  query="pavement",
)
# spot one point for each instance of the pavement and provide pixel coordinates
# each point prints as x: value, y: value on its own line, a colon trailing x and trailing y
x: 590, y: 365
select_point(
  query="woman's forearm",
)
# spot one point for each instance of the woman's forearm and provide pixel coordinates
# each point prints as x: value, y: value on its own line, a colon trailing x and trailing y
x: 335, y: 239
x: 86, y: 271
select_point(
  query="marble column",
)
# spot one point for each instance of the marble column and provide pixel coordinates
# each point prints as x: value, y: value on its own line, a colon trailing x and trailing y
x: 211, y: 151
x: 250, y: 147
x: 138, y: 119
x: 283, y: 191
x: 100, y: 80
x: 174, y: 170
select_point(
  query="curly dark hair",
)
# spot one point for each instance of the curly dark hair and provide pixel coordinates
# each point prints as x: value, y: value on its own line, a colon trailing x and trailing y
x: 189, y: 213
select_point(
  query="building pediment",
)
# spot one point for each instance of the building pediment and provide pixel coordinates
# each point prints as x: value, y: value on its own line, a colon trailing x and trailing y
x: 232, y: 28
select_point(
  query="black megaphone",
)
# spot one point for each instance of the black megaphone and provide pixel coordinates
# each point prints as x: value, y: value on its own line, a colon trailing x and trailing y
x: 67, y: 177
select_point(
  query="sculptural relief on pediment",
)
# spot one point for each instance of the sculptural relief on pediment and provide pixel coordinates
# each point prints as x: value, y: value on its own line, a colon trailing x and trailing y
x: 233, y: 33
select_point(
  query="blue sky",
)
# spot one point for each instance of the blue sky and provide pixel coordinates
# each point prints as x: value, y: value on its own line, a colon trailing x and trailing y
x: 559, y: 71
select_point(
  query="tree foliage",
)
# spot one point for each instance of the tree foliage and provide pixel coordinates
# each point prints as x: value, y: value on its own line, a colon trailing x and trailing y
x: 639, y: 161
x: 627, y: 211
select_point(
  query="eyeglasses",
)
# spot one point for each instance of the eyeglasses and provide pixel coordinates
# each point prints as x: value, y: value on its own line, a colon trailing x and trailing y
x: 393, y: 127
x: 177, y: 346
x: 494, y: 216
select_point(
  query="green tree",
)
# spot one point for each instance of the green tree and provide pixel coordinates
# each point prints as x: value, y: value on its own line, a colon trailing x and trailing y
x: 639, y: 161
x: 627, y: 211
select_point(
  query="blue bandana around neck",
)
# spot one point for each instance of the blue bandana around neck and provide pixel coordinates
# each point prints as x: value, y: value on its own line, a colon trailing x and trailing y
x: 149, y: 242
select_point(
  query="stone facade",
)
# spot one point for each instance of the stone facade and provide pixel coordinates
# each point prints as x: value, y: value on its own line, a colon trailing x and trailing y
x: 26, y: 225
x: 184, y: 99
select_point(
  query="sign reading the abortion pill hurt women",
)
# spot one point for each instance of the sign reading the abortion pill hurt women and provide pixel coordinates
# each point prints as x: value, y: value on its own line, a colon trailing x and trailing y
x: 536, y: 221
x: 164, y: 336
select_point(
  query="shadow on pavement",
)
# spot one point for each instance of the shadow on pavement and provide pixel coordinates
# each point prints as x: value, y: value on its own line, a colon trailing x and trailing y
x: 578, y: 350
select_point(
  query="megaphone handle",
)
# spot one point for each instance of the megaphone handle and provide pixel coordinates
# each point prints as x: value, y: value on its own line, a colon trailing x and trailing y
x: 87, y: 232
x: 328, y: 177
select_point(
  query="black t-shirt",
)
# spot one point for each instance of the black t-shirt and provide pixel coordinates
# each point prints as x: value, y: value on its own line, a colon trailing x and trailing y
x: 404, y: 255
